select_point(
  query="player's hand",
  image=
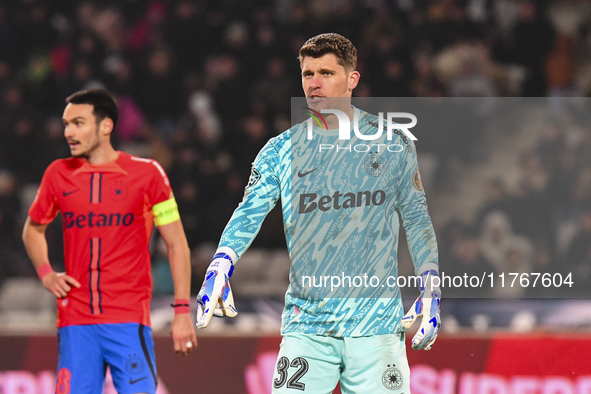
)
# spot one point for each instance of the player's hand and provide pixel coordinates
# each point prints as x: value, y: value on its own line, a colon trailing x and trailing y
x: 59, y: 284
x: 427, y: 307
x: 183, y: 333
x: 215, y: 297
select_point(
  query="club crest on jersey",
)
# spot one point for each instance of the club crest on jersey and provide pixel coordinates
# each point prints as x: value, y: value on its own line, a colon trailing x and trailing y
x: 392, y: 378
x: 134, y: 365
x: 119, y: 191
x: 375, y: 165
x: 255, y: 176
x: 416, y: 181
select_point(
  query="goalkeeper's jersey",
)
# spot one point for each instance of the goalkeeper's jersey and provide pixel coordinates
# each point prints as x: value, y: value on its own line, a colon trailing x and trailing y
x: 340, y: 200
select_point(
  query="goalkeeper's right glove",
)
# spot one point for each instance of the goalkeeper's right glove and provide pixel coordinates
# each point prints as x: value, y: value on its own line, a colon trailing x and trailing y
x: 215, y: 297
x: 427, y: 307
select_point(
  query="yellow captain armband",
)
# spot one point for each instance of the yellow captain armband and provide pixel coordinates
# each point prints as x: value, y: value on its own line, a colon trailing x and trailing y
x: 165, y: 212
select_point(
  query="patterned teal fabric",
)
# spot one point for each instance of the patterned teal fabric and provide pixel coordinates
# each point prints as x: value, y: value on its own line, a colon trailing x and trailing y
x: 341, y: 201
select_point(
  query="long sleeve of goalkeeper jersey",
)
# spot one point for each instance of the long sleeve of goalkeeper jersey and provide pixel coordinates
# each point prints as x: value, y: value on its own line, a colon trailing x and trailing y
x: 260, y: 196
x: 412, y: 205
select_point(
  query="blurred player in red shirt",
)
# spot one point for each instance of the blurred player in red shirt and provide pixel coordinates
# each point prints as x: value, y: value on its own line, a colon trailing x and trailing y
x: 109, y: 201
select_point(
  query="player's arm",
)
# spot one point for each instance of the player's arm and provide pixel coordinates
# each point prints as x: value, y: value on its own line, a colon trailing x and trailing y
x: 179, y: 255
x: 59, y: 284
x: 261, y: 194
x: 422, y: 244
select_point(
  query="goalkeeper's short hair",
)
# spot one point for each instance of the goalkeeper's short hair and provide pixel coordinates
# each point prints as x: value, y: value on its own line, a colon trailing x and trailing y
x: 334, y: 43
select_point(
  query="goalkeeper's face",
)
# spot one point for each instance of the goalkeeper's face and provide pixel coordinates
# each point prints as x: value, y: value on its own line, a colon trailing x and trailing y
x: 324, y: 77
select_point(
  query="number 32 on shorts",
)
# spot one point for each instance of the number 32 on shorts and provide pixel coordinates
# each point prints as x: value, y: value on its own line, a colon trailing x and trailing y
x: 294, y: 382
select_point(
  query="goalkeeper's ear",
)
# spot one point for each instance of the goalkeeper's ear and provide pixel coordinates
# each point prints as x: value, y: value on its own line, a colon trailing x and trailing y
x: 353, y: 79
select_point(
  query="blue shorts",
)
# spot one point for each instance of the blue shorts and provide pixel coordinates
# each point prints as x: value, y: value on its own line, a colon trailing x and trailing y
x: 86, y: 351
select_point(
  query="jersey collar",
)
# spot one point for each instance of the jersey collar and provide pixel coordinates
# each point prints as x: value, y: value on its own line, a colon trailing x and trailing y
x: 112, y: 166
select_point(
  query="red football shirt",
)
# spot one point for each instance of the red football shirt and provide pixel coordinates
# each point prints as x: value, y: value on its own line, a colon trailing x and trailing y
x: 107, y: 222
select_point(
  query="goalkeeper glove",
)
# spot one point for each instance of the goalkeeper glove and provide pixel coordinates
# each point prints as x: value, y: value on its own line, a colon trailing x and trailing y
x: 427, y: 306
x: 215, y: 297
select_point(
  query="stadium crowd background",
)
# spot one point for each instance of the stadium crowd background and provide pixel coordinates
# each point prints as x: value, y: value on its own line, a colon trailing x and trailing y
x: 202, y: 85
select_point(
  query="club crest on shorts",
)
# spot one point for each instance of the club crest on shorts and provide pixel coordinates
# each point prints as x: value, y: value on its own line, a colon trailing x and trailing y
x: 134, y: 365
x: 392, y: 378
x: 416, y: 180
x: 375, y: 165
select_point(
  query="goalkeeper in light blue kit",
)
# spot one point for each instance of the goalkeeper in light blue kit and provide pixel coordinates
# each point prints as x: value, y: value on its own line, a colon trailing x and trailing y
x: 341, y: 200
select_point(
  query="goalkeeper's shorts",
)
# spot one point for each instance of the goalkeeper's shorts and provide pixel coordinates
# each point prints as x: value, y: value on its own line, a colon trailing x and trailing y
x: 314, y: 364
x: 85, y: 351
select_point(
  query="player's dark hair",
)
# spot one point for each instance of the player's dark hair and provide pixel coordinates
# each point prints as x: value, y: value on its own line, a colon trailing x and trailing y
x: 334, y: 43
x: 103, y: 102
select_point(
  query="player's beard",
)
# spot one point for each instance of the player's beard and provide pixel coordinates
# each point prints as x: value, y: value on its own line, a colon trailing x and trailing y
x: 93, y: 145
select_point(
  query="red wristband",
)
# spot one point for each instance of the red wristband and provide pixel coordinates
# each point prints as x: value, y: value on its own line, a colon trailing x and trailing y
x: 44, y: 270
x: 182, y: 306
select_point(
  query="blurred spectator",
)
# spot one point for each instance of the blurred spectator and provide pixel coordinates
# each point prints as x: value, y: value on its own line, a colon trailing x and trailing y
x: 496, y: 199
x: 533, y: 174
x: 518, y: 260
x: 448, y: 24
x: 500, y: 247
x: 191, y: 210
x: 560, y: 67
x: 468, y: 70
x: 186, y: 33
x: 24, y: 149
x: 275, y: 88
x: 466, y: 259
x: 495, y: 238
x: 245, y: 144
x: 121, y: 76
x: 528, y: 213
x: 544, y: 263
x: 578, y: 257
x: 9, y: 44
x: 562, y: 180
x: 83, y: 76
x: 426, y: 82
x: 9, y: 207
x: 159, y: 95
x: 10, y: 262
x: 53, y: 143
x: 229, y: 82
x: 550, y: 146
x: 131, y: 123
x: 204, y: 115
x: 533, y: 39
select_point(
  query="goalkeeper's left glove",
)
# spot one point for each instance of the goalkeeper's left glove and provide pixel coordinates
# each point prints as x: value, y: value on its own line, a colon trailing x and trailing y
x: 427, y: 306
x: 215, y: 297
